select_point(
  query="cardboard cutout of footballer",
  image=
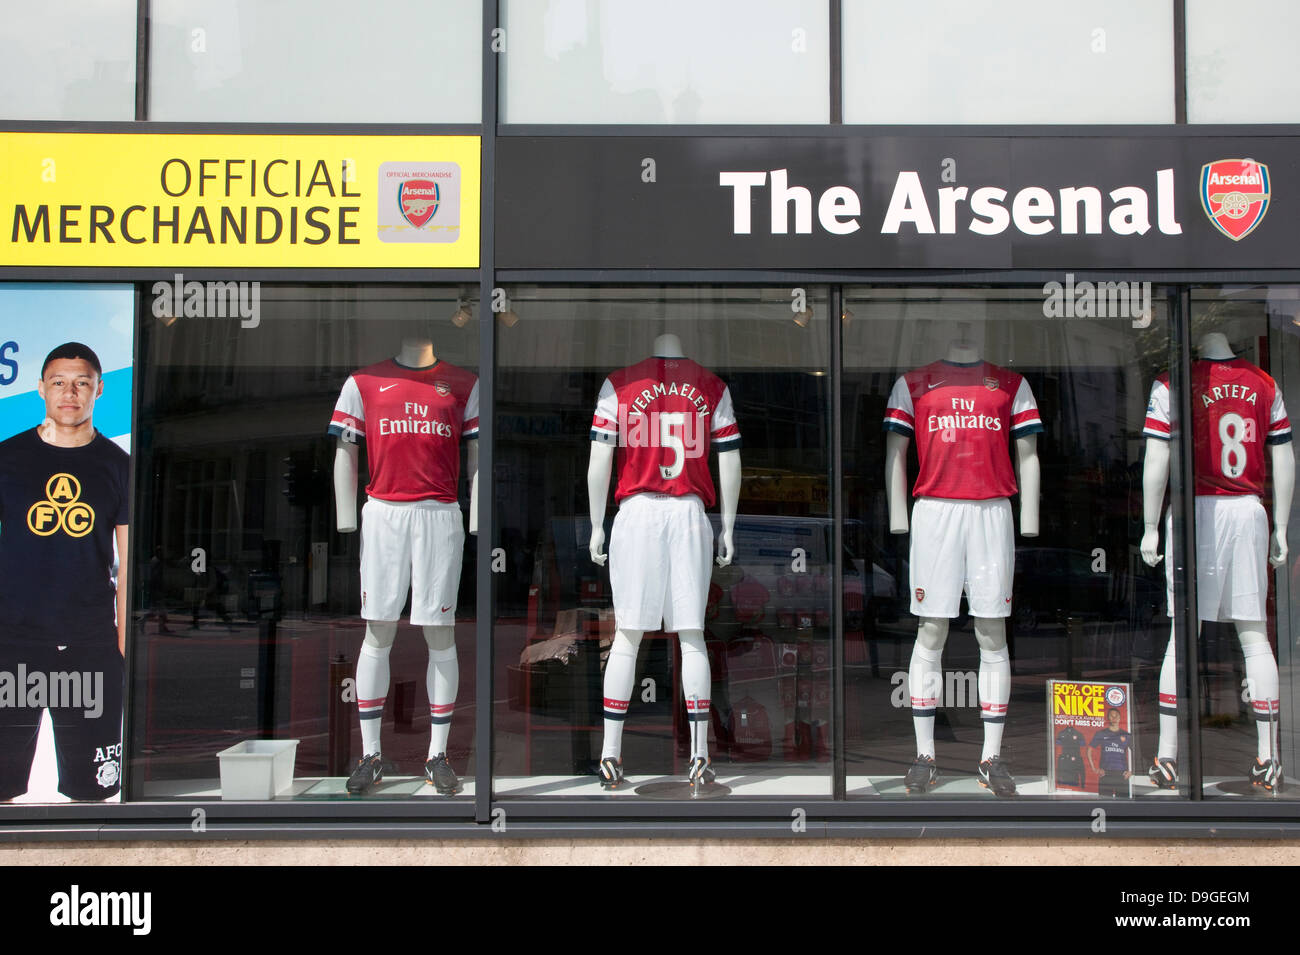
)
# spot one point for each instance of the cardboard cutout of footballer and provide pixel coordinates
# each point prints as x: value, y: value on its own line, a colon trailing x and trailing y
x: 65, y: 411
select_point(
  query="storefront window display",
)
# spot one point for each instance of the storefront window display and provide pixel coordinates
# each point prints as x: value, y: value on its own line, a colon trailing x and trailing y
x: 251, y: 610
x: 1243, y: 382
x: 256, y: 615
x: 688, y: 639
x: 1008, y: 467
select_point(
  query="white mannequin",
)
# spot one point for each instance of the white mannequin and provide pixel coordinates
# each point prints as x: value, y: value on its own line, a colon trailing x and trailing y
x: 599, y: 470
x: 1155, y: 478
x: 601, y: 466
x: 962, y: 351
x: 990, y: 632
x: 415, y: 352
x: 668, y: 346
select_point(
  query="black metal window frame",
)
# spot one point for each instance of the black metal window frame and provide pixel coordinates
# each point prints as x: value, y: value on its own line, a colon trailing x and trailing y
x: 832, y: 817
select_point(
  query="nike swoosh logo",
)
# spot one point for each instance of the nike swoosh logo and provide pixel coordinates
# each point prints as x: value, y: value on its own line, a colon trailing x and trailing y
x: 936, y: 384
x: 383, y: 388
x: 445, y: 609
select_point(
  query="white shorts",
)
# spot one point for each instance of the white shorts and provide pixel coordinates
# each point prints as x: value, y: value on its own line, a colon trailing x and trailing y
x: 1231, y: 558
x: 962, y: 545
x: 660, y: 562
x: 418, y: 544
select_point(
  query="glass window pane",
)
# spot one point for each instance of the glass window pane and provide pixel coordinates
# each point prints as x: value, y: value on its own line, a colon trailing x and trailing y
x: 1061, y: 621
x: 727, y: 61
x: 1241, y: 62
x: 251, y: 611
x: 393, y: 62
x: 68, y: 59
x: 1246, y: 376
x: 994, y: 61
x: 762, y: 655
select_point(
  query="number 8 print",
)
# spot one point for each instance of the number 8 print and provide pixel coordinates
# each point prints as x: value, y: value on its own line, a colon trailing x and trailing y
x: 1232, y: 432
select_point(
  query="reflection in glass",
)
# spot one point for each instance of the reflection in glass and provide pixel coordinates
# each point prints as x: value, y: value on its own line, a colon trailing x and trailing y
x: 1244, y: 464
x: 1008, y: 61
x: 250, y: 597
x: 728, y: 61
x: 69, y: 59
x: 766, y: 635
x: 1242, y: 76
x: 322, y: 61
x: 1080, y: 606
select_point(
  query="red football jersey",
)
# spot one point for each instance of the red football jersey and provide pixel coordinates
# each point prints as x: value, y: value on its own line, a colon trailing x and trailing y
x: 412, y: 420
x: 1236, y: 410
x: 963, y: 417
x: 663, y: 413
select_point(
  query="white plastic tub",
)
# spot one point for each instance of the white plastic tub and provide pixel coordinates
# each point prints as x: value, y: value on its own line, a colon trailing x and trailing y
x: 257, y: 768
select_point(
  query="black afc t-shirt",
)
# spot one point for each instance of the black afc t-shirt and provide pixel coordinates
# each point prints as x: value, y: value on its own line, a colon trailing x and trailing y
x: 59, y: 508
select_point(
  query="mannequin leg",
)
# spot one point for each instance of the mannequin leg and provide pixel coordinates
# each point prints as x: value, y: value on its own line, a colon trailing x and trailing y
x: 1167, y: 748
x: 1262, y: 680
x: 620, y: 674
x: 442, y: 680
x: 372, y: 681
x: 697, y: 683
x: 925, y: 679
x: 994, y: 681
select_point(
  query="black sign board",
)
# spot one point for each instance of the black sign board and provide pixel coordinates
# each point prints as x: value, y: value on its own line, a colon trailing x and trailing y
x: 894, y: 202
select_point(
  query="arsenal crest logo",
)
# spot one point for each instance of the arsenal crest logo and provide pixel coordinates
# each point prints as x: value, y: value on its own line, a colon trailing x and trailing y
x: 920, y: 594
x: 442, y: 388
x: 991, y: 384
x: 1234, y: 194
x: 418, y: 201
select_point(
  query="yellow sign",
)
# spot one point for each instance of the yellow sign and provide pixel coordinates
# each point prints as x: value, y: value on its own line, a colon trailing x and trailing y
x: 1079, y: 699
x: 182, y: 200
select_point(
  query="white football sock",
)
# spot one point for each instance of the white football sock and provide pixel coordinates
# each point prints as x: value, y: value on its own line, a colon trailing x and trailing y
x: 697, y: 684
x: 995, y: 693
x: 442, y: 680
x: 372, y: 691
x: 1167, y: 747
x: 925, y: 681
x: 1262, y: 679
x: 620, y: 673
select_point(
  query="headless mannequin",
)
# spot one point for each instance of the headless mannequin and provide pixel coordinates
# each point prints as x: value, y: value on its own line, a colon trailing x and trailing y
x: 620, y: 672
x: 990, y: 632
x: 1253, y: 634
x: 443, y: 674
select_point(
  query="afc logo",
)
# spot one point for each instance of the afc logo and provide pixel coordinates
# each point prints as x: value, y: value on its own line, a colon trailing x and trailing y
x: 62, y: 510
x: 108, y: 765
